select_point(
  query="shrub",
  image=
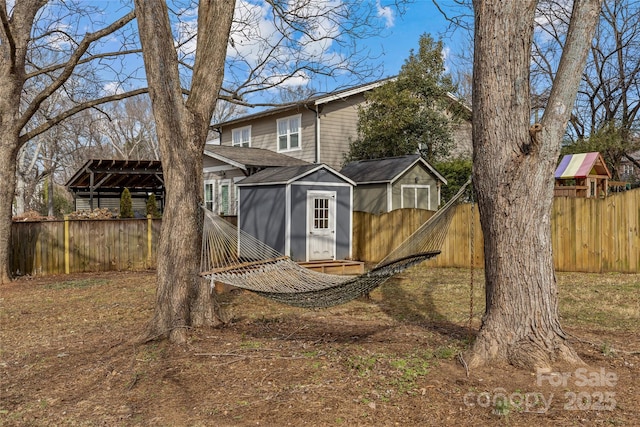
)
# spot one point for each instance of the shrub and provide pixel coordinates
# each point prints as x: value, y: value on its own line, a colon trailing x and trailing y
x: 152, y: 207
x: 126, y: 206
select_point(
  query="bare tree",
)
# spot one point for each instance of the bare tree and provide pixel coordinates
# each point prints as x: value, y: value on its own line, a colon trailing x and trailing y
x: 128, y: 128
x: 513, y: 176
x: 609, y: 94
x: 34, y: 30
x: 303, y: 39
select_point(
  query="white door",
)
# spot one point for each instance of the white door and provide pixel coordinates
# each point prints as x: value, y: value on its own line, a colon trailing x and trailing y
x: 321, y: 225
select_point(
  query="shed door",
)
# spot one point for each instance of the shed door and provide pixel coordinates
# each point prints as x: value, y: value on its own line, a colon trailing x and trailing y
x: 321, y: 225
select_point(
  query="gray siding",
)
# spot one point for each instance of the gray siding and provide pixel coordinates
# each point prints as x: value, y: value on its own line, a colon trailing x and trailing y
x: 323, y: 176
x: 338, y: 124
x: 370, y: 198
x: 264, y: 133
x: 409, y: 179
x: 262, y: 214
x: 463, y: 141
x: 228, y: 178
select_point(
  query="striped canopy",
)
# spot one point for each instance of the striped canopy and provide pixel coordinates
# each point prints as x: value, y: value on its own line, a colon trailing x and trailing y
x: 581, y: 165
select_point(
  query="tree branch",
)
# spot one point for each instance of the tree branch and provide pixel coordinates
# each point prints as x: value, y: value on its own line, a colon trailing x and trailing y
x: 8, y: 36
x: 56, y: 67
x: 584, y: 19
x: 78, y: 108
x: 70, y: 65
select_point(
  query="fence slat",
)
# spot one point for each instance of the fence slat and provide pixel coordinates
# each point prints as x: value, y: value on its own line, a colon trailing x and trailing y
x: 588, y: 235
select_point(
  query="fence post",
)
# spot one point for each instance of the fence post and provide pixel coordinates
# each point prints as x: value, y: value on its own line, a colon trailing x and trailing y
x: 66, y: 245
x: 149, y: 239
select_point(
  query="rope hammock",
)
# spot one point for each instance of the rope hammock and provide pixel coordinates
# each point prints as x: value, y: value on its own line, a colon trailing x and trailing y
x: 233, y: 257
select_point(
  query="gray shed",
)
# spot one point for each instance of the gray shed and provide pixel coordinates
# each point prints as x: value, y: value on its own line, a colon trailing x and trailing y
x: 393, y: 183
x: 304, y: 212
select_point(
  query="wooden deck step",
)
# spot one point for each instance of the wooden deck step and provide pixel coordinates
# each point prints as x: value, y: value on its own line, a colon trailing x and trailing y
x: 341, y: 267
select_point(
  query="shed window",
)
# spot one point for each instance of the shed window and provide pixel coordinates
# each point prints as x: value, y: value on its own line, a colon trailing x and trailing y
x: 321, y: 214
x: 241, y: 137
x: 289, y: 133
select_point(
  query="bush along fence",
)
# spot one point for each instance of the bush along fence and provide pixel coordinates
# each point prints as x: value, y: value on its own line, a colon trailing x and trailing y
x: 73, y: 246
x: 588, y: 235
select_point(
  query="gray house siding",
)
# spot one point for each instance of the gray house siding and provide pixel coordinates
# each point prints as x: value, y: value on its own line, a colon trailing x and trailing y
x: 223, y: 174
x: 262, y: 214
x: 370, y: 198
x: 264, y: 133
x: 415, y: 179
x: 338, y: 124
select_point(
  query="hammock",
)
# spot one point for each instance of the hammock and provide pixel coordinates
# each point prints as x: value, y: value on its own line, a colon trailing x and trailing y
x: 233, y: 257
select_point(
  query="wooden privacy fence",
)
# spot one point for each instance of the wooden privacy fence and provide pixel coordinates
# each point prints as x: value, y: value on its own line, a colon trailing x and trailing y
x: 73, y: 246
x: 588, y: 235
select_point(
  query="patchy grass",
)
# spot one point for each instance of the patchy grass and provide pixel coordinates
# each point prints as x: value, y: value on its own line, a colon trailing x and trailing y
x: 610, y: 301
x: 76, y: 284
x: 69, y: 357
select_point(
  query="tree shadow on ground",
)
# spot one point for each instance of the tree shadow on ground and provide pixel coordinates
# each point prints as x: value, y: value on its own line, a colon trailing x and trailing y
x: 420, y: 307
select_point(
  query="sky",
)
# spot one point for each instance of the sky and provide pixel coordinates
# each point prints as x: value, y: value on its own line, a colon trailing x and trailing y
x: 401, y: 30
x: 399, y: 33
x: 419, y: 17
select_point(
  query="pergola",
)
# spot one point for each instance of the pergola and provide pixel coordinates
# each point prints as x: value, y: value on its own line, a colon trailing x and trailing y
x: 100, y: 180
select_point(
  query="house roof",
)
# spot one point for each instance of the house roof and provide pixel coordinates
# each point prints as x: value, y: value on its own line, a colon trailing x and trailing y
x: 321, y: 99
x: 582, y: 165
x: 111, y: 174
x: 246, y: 158
x: 312, y: 101
x: 288, y: 174
x: 386, y: 170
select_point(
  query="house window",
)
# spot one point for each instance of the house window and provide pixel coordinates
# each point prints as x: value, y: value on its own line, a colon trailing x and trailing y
x: 208, y: 194
x: 241, y: 137
x: 224, y: 199
x: 289, y: 133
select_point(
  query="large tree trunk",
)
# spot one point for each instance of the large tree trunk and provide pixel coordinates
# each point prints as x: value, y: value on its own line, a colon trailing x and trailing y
x: 181, y: 300
x: 513, y: 178
x: 8, y: 180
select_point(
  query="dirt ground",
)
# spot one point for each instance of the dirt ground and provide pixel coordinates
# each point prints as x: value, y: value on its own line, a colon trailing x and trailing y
x: 67, y: 357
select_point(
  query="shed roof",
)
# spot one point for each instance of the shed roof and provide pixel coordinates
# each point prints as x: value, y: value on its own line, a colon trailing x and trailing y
x: 582, y: 165
x: 378, y: 171
x: 246, y: 157
x: 111, y: 174
x: 288, y: 174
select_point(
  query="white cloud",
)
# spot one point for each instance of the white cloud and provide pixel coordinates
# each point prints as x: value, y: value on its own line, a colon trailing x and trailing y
x: 386, y: 13
x: 58, y: 39
x: 112, y: 88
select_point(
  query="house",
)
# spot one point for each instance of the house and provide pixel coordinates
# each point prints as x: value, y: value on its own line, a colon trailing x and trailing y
x: 393, y: 183
x: 316, y: 130
x: 223, y: 166
x: 303, y: 211
x: 628, y: 170
x: 99, y: 183
x: 582, y: 175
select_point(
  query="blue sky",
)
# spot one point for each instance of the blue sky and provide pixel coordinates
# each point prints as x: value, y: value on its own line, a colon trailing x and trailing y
x: 402, y: 30
x: 405, y: 29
